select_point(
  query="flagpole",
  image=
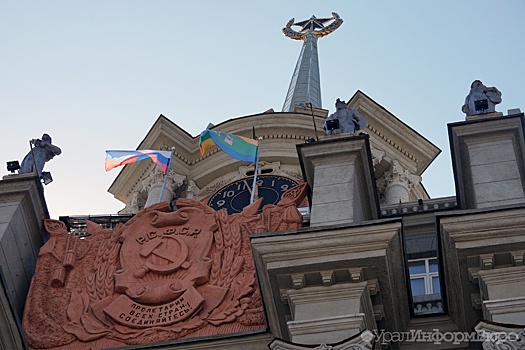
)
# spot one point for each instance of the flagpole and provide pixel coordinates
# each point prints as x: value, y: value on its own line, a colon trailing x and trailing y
x: 256, y: 172
x: 166, y: 175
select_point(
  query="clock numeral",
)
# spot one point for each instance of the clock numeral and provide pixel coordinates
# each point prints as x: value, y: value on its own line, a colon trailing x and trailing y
x: 228, y: 194
x: 259, y: 182
x: 221, y: 202
x: 241, y: 187
x: 284, y: 188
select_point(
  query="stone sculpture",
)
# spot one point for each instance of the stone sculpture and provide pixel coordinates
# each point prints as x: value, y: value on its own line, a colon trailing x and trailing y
x: 42, y: 152
x: 162, y: 276
x: 344, y: 120
x: 481, y: 99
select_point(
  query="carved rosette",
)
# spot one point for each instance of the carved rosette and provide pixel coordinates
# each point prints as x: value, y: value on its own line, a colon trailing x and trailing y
x: 162, y: 276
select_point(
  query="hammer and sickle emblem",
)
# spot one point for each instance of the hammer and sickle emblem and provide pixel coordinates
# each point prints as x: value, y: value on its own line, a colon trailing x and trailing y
x: 170, y: 249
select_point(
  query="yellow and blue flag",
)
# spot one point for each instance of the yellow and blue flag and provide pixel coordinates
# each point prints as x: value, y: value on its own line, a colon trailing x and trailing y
x: 235, y: 146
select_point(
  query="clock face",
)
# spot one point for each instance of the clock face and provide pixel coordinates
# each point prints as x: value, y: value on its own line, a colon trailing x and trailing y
x: 235, y: 196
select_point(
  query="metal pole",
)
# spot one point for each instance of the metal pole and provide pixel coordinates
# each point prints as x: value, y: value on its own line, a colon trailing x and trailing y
x: 255, y: 175
x: 166, y: 176
x: 308, y: 104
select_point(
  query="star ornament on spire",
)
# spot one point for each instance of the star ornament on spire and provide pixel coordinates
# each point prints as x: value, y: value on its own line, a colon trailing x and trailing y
x: 313, y: 26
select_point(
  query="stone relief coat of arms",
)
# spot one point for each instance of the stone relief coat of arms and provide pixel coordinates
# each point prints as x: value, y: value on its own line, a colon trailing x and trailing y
x: 162, y: 276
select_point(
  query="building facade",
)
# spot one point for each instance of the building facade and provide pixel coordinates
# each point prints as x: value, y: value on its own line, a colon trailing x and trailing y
x: 348, y: 252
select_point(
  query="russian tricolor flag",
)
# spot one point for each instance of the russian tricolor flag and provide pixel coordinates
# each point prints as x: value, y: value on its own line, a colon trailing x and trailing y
x: 119, y: 158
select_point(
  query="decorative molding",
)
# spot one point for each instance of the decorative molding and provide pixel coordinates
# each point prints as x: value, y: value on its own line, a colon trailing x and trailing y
x: 215, y: 186
x: 397, y: 175
x: 476, y: 247
x: 393, y: 144
x: 362, y: 341
x: 377, y: 155
x: 319, y: 253
x: 500, y: 336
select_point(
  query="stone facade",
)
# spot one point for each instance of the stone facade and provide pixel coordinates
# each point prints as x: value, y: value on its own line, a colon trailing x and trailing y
x: 373, y: 257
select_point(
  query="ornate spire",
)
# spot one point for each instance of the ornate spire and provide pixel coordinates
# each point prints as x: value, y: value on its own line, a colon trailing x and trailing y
x: 305, y: 85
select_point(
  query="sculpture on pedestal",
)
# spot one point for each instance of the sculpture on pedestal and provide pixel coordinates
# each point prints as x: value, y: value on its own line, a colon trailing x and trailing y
x: 344, y: 120
x: 42, y: 152
x: 481, y: 99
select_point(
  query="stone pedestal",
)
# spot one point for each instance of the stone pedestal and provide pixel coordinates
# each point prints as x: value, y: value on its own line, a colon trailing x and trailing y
x: 339, y: 172
x: 22, y: 212
x: 488, y: 161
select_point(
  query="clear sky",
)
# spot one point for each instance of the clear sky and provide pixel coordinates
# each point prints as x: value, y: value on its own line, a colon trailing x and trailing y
x: 95, y: 75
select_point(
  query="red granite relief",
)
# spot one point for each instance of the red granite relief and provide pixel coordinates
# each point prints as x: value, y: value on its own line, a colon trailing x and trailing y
x: 163, y: 276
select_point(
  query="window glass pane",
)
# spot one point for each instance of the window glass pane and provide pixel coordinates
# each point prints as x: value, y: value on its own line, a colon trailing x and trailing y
x: 435, y: 285
x: 416, y: 267
x: 418, y: 286
x: 433, y: 265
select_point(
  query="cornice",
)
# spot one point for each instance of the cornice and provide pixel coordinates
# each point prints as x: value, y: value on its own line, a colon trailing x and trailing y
x: 300, y: 248
x: 393, y: 144
x: 486, y: 229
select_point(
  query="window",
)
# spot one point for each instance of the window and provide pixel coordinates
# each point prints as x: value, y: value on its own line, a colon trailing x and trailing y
x: 425, y: 286
x: 424, y: 276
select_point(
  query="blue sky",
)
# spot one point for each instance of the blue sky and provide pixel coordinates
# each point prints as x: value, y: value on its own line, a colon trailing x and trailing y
x: 95, y: 75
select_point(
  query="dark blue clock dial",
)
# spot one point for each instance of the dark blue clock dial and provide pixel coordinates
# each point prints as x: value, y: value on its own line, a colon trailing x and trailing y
x: 235, y: 196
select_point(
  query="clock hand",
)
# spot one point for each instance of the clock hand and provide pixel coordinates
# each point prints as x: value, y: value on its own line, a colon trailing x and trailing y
x: 248, y: 187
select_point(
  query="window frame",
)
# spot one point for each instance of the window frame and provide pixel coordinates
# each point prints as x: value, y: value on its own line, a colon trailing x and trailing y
x: 427, y: 275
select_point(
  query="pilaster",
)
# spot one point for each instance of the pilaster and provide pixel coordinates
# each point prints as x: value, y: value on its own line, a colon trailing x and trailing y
x: 502, y: 292
x: 327, y: 314
x: 354, y: 273
x: 488, y: 163
x: 339, y: 172
x: 481, y: 264
x: 22, y: 212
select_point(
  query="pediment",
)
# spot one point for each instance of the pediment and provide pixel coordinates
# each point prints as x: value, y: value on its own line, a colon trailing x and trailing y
x: 281, y: 131
x: 163, y: 135
x: 392, y: 136
x: 278, y: 145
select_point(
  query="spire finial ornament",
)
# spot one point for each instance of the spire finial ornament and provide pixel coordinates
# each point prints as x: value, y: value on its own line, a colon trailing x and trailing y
x: 305, y: 86
x: 313, y: 26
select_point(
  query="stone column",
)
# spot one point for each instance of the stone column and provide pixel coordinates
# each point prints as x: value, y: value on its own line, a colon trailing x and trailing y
x: 153, y: 185
x: 397, y: 183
